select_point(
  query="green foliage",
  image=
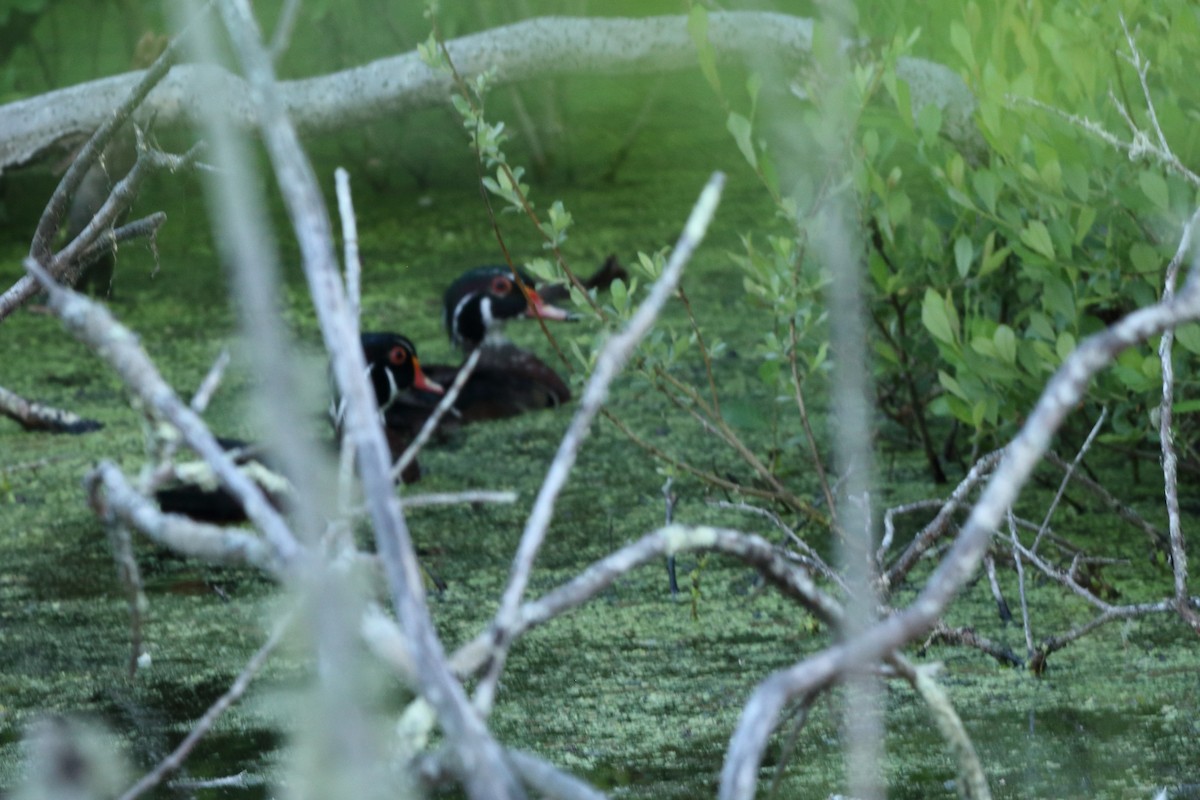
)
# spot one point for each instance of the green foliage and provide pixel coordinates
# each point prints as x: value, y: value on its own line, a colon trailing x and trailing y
x: 9, y: 7
x: 999, y: 234
x: 992, y: 251
x: 1019, y: 252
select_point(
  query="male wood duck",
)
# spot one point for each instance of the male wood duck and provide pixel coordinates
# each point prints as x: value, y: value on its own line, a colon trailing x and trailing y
x: 392, y: 368
x: 508, y: 380
x: 395, y: 374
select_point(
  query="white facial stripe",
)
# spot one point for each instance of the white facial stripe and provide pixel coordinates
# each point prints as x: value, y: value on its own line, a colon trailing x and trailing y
x: 393, y: 391
x: 454, y: 317
x: 485, y: 310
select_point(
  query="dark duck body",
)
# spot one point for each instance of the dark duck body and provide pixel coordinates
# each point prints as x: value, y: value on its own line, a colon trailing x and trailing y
x: 507, y: 380
x: 205, y: 500
x: 392, y: 370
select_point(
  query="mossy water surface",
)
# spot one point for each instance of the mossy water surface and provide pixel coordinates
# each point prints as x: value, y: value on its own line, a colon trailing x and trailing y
x: 637, y: 692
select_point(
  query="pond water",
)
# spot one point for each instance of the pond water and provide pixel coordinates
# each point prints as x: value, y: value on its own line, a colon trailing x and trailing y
x: 636, y: 692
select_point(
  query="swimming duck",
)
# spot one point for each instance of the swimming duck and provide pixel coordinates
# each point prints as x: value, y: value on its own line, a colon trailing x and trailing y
x: 392, y: 369
x: 508, y: 380
x: 394, y: 372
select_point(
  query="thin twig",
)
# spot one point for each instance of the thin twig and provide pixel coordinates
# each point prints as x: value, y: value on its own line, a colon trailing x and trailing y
x: 817, y: 462
x: 175, y: 759
x: 353, y: 265
x: 613, y: 357
x: 1026, y: 625
x: 810, y: 559
x: 444, y: 405
x: 284, y: 24
x: 210, y: 383
x: 1066, y: 479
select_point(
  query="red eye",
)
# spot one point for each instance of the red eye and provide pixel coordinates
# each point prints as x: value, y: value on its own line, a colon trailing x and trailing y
x: 398, y: 356
x: 501, y: 285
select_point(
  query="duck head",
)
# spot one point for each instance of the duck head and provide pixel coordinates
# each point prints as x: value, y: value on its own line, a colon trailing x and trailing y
x: 392, y: 369
x: 485, y: 297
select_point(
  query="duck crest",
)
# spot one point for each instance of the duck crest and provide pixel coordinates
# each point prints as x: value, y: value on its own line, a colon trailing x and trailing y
x: 480, y: 300
x: 392, y: 370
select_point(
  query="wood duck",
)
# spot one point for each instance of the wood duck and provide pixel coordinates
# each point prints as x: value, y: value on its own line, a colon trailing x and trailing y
x: 508, y: 380
x: 395, y: 373
x: 196, y: 492
x: 392, y: 369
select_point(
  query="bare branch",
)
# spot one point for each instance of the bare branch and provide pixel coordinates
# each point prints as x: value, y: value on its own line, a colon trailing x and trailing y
x: 1166, y: 416
x: 37, y: 417
x: 91, y: 323
x: 529, y: 50
x: 611, y: 361
x: 114, y: 499
x: 487, y: 775
x: 1062, y: 486
x: 175, y: 759
x: 349, y: 239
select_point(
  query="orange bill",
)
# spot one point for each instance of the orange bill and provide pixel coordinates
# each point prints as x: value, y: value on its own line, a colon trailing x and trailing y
x: 421, y: 380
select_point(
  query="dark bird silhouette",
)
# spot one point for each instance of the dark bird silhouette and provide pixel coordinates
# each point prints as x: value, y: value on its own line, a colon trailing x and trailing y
x: 392, y: 369
x: 508, y: 380
x: 394, y: 372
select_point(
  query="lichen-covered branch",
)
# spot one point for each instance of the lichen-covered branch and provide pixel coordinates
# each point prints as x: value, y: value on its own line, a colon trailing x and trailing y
x: 37, y: 417
x: 532, y: 49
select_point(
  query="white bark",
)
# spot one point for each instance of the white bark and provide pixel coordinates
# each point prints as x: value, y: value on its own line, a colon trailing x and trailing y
x: 534, y: 48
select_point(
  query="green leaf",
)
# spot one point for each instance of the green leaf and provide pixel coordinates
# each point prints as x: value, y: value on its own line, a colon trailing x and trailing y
x: 1154, y: 186
x: 740, y: 127
x: 899, y: 206
x: 620, y: 295
x: 936, y: 316
x: 1057, y: 298
x: 929, y: 120
x: 1188, y: 337
x: 955, y: 169
x: 987, y: 188
x: 992, y: 262
x: 1006, y: 344
x: 950, y: 385
x: 1064, y: 346
x: 1187, y: 407
x: 984, y: 346
x: 542, y: 269
x: 960, y: 40
x: 1036, y: 237
x: 1145, y: 259
x: 1077, y: 180
x: 964, y: 254
x: 698, y: 29
x: 978, y: 413
x: 870, y: 144
x: 753, y: 85
x: 1087, y: 218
